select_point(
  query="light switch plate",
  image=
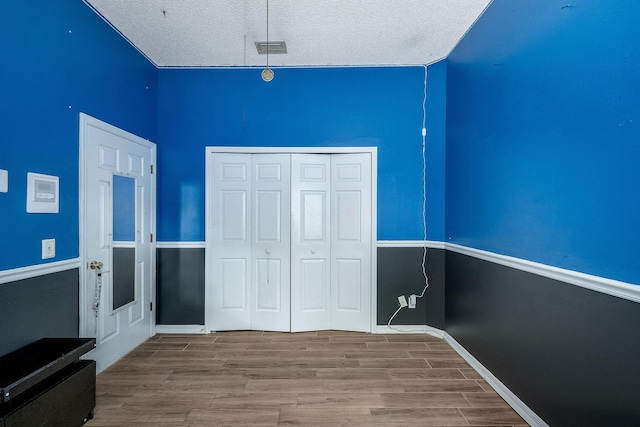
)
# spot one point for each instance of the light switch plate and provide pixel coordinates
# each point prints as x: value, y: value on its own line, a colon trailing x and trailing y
x: 48, y: 248
x: 4, y: 181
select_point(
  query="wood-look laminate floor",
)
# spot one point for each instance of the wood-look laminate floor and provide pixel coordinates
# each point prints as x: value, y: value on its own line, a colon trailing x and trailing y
x: 324, y: 378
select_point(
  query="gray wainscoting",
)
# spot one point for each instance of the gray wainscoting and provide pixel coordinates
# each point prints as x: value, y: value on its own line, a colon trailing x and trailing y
x: 38, y: 307
x: 400, y: 273
x: 569, y: 353
x: 180, y: 286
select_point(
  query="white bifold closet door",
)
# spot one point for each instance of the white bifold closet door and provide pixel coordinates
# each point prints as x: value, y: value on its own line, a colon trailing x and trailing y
x: 291, y: 241
x: 331, y: 242
x: 251, y: 255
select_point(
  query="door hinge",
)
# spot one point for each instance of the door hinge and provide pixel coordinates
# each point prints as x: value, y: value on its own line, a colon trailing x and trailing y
x: 151, y: 168
x: 150, y: 306
x: 151, y: 237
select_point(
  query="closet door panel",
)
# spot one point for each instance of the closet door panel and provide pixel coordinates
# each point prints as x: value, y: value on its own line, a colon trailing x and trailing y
x: 271, y: 218
x: 310, y: 246
x: 231, y: 235
x: 351, y: 242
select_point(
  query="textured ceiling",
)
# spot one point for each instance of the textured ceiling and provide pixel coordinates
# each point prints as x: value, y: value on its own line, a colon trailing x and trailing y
x: 219, y: 33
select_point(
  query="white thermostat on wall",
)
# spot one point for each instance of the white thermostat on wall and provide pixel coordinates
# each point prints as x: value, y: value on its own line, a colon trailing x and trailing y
x: 42, y: 193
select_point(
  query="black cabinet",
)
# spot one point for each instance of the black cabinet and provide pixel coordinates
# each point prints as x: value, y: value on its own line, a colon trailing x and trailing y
x: 45, y: 384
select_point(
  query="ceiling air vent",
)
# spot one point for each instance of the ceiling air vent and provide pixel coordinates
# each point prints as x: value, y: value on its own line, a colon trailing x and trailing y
x: 271, y: 47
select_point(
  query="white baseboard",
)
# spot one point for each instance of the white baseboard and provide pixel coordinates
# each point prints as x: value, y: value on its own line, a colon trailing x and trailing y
x: 518, y: 405
x: 180, y: 329
x: 409, y: 329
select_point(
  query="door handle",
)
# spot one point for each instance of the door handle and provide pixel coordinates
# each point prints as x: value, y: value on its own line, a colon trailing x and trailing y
x: 313, y: 251
x: 95, y: 265
x: 267, y: 251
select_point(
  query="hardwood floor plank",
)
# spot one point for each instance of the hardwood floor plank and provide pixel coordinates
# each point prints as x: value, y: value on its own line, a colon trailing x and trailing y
x: 134, y: 415
x: 204, y: 338
x: 337, y: 346
x: 448, y: 363
x: 485, y: 385
x: 438, y: 346
x: 353, y: 373
x: 486, y: 400
x: 322, y: 417
x: 333, y: 332
x: 231, y: 339
x: 281, y: 346
x: 114, y: 386
x: 306, y: 354
x: 411, y: 374
x: 470, y: 374
x: 154, y: 346
x: 412, y: 338
x: 298, y: 385
x: 254, y: 400
x: 362, y: 386
x: 394, y: 363
x: 168, y: 399
x: 433, y: 355
x: 234, y: 417
x: 440, y: 385
x: 377, y: 355
x: 398, y: 346
x: 424, y: 400
x: 112, y: 400
x: 291, y: 363
x: 184, y: 354
x: 279, y: 373
x: 491, y: 416
x: 357, y: 338
x: 206, y: 385
x: 418, y: 417
x: 186, y: 362
x: 137, y: 354
x: 340, y: 400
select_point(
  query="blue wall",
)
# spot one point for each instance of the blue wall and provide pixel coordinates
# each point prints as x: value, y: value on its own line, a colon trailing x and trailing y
x: 543, y: 135
x: 59, y: 59
x: 379, y: 107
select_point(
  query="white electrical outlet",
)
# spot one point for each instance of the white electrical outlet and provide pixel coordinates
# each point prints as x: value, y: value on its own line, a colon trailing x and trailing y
x: 402, y: 300
x: 48, y: 248
x: 412, y: 301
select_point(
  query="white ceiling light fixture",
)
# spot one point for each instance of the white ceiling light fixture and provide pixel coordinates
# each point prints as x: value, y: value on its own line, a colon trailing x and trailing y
x: 267, y: 47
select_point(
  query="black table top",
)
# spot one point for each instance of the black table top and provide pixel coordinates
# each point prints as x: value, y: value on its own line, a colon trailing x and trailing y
x: 31, y: 363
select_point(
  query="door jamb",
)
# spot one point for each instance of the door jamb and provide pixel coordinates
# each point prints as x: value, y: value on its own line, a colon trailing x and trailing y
x: 373, y: 151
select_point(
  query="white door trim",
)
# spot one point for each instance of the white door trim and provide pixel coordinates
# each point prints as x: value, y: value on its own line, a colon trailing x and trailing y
x: 373, y: 151
x: 83, y: 211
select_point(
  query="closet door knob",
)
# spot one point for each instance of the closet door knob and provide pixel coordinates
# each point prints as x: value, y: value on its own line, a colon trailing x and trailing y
x: 267, y: 251
x: 313, y: 251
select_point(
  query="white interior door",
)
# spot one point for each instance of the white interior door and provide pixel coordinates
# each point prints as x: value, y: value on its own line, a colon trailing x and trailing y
x: 310, y: 245
x: 230, y: 241
x: 351, y: 242
x: 118, y: 313
x: 270, y: 259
